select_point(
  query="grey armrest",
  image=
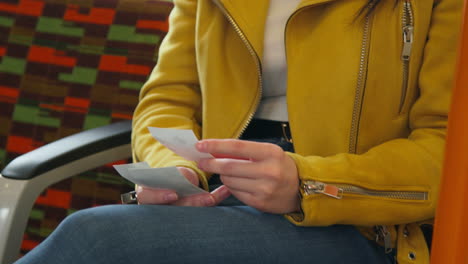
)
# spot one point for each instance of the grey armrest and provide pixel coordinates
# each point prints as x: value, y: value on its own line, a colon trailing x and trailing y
x: 24, y: 178
x: 68, y: 149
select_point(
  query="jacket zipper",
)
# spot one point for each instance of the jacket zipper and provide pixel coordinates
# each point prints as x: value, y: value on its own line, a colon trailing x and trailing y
x: 359, y: 88
x: 254, y: 56
x: 338, y: 190
x: 408, y: 35
x: 382, y: 234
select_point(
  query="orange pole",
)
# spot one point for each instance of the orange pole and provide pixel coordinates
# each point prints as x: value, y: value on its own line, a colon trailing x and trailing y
x: 450, y: 245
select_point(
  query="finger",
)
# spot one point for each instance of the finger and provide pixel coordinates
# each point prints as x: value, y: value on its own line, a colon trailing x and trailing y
x: 189, y: 174
x: 247, y: 198
x: 224, y: 156
x: 197, y: 200
x: 147, y: 195
x: 220, y: 194
x: 239, y: 148
x: 240, y: 184
x: 234, y: 167
x: 201, y: 200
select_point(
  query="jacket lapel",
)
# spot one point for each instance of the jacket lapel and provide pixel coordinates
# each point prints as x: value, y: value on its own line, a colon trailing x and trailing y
x: 250, y: 16
x: 314, y: 2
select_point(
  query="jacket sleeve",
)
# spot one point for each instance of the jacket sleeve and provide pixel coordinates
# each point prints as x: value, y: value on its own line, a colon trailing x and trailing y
x: 171, y: 97
x: 412, y: 164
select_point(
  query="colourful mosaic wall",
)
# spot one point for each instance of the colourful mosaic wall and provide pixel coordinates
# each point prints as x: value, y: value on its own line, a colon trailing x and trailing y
x: 67, y: 66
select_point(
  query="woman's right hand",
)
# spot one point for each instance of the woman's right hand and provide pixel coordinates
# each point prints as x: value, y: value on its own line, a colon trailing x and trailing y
x: 148, y: 195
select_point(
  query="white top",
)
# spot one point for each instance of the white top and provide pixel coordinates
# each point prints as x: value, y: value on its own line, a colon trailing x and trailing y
x: 273, y: 104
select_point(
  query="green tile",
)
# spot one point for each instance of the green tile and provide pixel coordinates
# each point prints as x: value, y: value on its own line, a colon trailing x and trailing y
x: 36, y: 214
x: 110, y: 178
x: 25, y: 113
x: 6, y: 21
x: 43, y: 119
x: 48, y: 121
x: 2, y: 158
x: 71, y: 211
x: 57, y: 26
x: 132, y: 85
x: 32, y: 230
x: 12, y: 65
x: 20, y: 39
x: 92, y: 121
x: 43, y: 232
x: 128, y: 34
x: 31, y: 114
x: 80, y: 75
x: 87, y: 49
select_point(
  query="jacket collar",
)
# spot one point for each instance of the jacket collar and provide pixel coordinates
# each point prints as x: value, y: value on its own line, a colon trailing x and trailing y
x: 250, y: 16
x: 313, y: 2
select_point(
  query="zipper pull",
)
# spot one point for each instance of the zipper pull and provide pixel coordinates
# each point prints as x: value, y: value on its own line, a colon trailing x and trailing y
x: 323, y: 188
x: 408, y: 34
x: 382, y: 233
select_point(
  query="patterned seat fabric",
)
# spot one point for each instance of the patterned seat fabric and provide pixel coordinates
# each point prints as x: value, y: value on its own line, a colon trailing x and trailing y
x: 67, y: 66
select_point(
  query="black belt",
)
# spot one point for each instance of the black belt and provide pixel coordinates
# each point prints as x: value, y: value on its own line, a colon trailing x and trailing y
x: 260, y: 128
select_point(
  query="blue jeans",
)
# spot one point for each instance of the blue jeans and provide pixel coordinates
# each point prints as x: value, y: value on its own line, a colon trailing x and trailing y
x: 232, y: 233
x: 223, y: 234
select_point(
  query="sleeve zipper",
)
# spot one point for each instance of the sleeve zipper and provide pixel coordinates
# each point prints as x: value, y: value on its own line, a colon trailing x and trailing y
x: 338, y: 190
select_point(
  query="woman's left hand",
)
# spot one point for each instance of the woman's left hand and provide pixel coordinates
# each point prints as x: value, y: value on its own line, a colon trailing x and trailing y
x: 259, y: 174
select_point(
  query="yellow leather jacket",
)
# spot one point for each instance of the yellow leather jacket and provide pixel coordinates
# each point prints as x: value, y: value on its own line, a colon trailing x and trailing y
x: 367, y: 99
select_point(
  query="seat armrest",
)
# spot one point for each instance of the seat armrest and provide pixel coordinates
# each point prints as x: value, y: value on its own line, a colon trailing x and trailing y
x: 68, y: 149
x: 24, y: 178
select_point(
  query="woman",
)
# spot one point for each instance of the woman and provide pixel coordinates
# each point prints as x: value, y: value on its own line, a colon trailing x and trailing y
x: 368, y: 87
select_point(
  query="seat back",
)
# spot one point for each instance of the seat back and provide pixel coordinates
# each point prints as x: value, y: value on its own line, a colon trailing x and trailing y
x: 68, y: 66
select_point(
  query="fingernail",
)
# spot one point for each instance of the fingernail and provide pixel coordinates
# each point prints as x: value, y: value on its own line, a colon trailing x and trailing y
x: 139, y: 189
x: 201, y: 163
x: 225, y: 192
x: 201, y: 146
x: 170, y: 197
x: 208, y: 201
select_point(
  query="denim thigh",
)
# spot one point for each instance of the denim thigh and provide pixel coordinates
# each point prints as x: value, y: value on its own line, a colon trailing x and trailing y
x: 122, y: 234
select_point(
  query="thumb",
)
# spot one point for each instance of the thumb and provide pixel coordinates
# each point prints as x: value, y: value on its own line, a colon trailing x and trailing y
x: 221, y: 193
x: 189, y: 174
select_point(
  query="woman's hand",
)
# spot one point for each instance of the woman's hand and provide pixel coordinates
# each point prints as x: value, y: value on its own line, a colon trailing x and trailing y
x: 259, y: 174
x: 148, y: 195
